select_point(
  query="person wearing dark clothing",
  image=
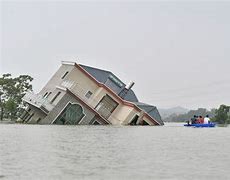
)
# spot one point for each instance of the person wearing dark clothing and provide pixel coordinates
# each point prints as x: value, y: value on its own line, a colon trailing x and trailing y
x: 193, y: 120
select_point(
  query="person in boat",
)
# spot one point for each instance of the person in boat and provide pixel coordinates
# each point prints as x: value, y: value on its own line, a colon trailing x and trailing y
x: 200, y: 120
x: 193, y: 120
x: 207, y: 120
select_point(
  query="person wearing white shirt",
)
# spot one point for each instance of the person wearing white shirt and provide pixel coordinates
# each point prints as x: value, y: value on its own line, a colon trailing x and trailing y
x: 206, y: 120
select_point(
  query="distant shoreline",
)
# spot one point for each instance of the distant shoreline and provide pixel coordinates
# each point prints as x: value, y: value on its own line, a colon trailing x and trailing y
x: 7, y: 121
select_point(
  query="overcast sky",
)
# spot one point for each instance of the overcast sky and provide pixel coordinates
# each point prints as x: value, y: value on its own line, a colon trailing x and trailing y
x: 178, y: 54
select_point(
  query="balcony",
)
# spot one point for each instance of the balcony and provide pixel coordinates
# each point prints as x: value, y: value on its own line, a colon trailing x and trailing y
x: 76, y: 89
x: 38, y: 101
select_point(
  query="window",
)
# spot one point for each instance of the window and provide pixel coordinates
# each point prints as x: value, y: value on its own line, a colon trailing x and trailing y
x: 134, y: 120
x: 88, y: 94
x: 45, y: 94
x: 106, y: 106
x: 71, y: 115
x: 96, y: 123
x: 55, y: 97
x: 39, y: 119
x: 145, y: 123
x: 49, y: 94
x: 65, y: 75
x: 25, y: 115
x: 30, y: 117
x: 116, y: 81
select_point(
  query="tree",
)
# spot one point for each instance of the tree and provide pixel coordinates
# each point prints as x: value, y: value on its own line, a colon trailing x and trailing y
x: 1, y: 106
x: 222, y: 115
x: 11, y: 92
x: 11, y: 108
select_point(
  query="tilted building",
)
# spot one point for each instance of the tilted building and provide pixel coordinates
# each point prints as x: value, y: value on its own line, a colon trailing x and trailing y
x: 79, y: 94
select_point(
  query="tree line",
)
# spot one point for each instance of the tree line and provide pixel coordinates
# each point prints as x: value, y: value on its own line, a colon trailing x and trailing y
x: 220, y: 115
x: 12, y: 89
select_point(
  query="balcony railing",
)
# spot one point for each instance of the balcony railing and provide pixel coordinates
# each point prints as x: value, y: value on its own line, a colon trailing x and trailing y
x: 38, y: 101
x: 104, y: 112
x: 76, y: 89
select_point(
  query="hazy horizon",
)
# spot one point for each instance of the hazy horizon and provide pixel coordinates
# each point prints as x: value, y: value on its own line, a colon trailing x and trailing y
x: 177, y: 53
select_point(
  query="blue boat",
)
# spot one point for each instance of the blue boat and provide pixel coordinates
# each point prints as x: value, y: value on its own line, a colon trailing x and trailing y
x: 210, y: 125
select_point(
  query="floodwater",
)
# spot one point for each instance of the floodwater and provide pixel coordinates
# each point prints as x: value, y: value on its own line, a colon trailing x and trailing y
x: 108, y: 152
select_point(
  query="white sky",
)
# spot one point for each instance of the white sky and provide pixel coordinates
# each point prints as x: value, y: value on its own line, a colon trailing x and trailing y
x: 177, y: 53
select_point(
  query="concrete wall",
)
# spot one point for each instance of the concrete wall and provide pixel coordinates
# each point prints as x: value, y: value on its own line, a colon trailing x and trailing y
x: 81, y: 84
x: 130, y: 116
x: 56, y: 80
x: 55, y: 92
x: 120, y: 114
x: 66, y: 99
x: 37, y: 114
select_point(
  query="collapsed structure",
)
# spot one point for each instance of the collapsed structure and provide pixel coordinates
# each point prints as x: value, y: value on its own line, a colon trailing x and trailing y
x: 79, y: 94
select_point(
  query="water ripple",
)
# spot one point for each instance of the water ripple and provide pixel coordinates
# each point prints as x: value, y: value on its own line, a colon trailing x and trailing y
x: 105, y: 152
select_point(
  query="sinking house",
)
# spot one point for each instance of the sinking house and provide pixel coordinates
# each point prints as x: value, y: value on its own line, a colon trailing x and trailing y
x: 79, y: 94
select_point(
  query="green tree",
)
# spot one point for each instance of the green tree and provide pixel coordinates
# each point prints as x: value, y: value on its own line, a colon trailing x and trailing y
x: 11, y: 92
x: 222, y: 115
x: 11, y: 108
x: 1, y: 106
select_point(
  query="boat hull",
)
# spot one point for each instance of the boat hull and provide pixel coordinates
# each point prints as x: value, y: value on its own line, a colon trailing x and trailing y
x: 201, y: 125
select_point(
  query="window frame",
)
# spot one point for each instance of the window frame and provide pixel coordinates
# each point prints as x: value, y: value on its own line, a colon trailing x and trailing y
x: 100, y: 102
x: 66, y: 73
x: 88, y: 94
x: 55, y: 97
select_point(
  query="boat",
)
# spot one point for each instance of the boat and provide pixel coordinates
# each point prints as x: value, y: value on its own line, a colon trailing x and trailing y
x: 210, y: 125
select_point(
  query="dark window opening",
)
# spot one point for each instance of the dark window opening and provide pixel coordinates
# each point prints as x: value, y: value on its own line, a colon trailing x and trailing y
x: 39, y: 119
x: 134, y: 121
x: 55, y: 97
x: 30, y: 117
x: 96, y: 123
x: 49, y: 94
x: 45, y: 94
x: 145, y: 123
x: 88, y: 94
x: 25, y: 114
x: 65, y: 75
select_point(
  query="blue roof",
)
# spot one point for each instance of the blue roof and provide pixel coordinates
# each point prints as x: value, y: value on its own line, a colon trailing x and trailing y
x: 111, y: 81
x: 151, y: 110
x: 114, y: 83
